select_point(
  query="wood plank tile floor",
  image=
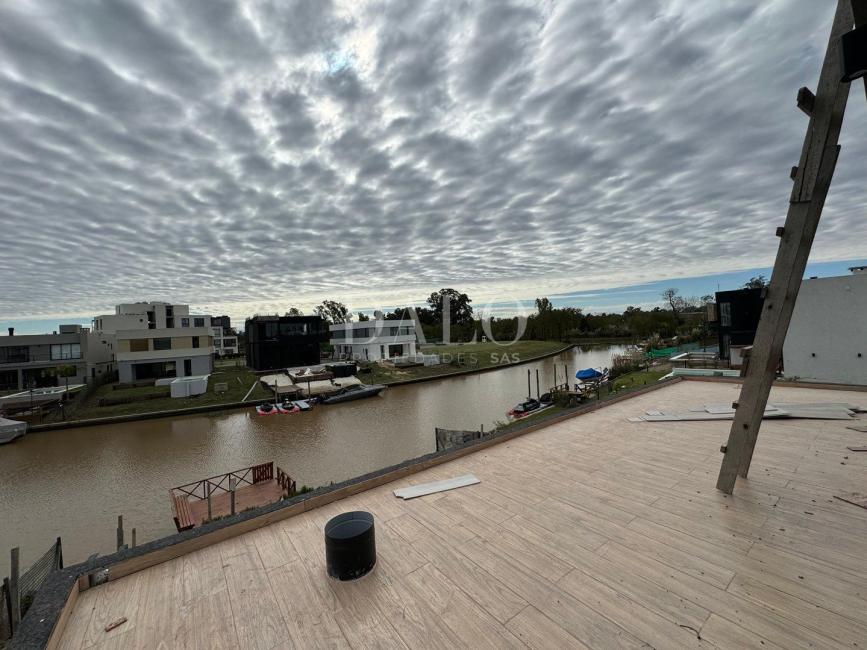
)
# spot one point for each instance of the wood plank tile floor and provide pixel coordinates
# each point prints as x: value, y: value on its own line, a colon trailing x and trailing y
x: 592, y: 533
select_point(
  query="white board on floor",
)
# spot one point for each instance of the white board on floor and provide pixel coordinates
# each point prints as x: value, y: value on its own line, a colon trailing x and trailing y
x: 437, y: 486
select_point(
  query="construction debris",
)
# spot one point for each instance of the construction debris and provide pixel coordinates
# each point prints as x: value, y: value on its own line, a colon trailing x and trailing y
x: 437, y: 486
x: 115, y: 623
x: 808, y: 410
x: 855, y: 498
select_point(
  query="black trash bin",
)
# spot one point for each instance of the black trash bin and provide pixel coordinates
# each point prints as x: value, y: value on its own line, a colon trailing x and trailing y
x: 350, y: 545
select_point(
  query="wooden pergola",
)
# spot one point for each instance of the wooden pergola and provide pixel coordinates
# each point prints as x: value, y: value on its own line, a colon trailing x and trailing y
x: 812, y: 179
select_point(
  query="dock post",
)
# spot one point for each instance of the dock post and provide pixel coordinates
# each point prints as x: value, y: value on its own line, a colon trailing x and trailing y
x: 538, y: 394
x: 133, y: 538
x: 13, y: 593
x: 529, y: 392
x: 232, y: 495
x: 119, y: 532
x: 5, y: 592
x: 208, y: 489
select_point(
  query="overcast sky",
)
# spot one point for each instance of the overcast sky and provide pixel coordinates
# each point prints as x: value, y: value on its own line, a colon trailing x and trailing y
x: 248, y: 156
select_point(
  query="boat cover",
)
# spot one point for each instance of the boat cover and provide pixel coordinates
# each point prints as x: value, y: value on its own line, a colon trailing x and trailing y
x: 588, y: 373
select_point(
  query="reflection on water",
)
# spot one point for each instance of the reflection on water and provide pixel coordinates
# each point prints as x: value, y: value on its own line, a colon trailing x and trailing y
x: 75, y: 483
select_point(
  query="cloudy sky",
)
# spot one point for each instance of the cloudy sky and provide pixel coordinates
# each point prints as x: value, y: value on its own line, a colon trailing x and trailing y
x: 248, y: 156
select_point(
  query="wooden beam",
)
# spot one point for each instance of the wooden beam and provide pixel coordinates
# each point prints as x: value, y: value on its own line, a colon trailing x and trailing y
x: 14, y: 592
x: 806, y: 100
x: 859, y: 10
x: 815, y: 170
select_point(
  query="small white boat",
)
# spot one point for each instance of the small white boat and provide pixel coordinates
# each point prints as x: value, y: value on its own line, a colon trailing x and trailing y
x: 11, y: 430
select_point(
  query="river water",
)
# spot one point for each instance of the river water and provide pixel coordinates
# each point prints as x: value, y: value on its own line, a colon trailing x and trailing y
x: 74, y: 483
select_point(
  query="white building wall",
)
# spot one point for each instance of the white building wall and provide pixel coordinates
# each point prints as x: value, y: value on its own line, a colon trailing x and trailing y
x: 827, y: 338
x: 372, y: 340
x: 111, y: 323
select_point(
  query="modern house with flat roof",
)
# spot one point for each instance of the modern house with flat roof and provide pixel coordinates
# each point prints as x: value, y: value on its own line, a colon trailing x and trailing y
x: 225, y: 344
x: 154, y: 340
x: 827, y: 337
x: 737, y: 319
x: 164, y: 352
x: 374, y: 340
x: 147, y: 315
x: 223, y: 322
x: 34, y: 360
x: 275, y: 342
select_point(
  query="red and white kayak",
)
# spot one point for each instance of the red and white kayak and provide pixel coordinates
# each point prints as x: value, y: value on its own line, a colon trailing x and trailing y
x: 267, y: 409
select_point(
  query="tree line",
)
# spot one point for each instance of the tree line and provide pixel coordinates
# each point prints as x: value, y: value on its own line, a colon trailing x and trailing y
x: 681, y: 316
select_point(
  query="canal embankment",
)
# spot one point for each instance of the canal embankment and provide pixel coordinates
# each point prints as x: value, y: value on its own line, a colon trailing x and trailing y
x: 147, y: 402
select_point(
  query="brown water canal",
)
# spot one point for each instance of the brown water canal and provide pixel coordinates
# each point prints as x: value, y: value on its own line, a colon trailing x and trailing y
x: 74, y: 483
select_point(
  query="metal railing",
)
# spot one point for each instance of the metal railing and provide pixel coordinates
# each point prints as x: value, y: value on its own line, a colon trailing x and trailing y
x: 18, y: 591
x: 229, y: 483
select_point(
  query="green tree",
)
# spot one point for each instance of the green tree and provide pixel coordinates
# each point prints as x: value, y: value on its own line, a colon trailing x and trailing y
x: 543, y: 305
x: 333, y: 311
x: 362, y: 317
x: 294, y: 311
x: 758, y: 282
x: 460, y: 310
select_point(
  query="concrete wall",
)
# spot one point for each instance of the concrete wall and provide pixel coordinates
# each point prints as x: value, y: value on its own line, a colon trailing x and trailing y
x: 828, y: 331
x: 110, y: 323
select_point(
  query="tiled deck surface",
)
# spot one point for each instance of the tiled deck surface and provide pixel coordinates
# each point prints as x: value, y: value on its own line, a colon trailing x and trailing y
x: 595, y: 532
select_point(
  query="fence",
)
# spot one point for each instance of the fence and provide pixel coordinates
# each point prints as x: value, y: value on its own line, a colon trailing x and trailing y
x: 448, y: 438
x: 18, y: 592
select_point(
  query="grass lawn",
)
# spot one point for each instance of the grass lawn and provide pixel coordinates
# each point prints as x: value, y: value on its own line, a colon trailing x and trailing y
x: 624, y: 383
x: 469, y: 356
x: 642, y: 378
x: 238, y: 380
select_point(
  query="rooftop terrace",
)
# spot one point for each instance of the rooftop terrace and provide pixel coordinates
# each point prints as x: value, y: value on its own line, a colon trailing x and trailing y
x: 594, y: 532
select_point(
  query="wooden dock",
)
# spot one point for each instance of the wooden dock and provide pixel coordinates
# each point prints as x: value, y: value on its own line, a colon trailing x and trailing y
x: 594, y: 532
x: 218, y: 496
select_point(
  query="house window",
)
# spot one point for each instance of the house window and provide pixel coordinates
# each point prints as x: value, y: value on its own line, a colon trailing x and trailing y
x: 195, y: 341
x: 65, y: 351
x: 198, y: 322
x: 163, y: 344
x: 15, y: 354
x: 138, y: 345
x: 725, y: 314
x: 293, y: 329
x: 185, y: 322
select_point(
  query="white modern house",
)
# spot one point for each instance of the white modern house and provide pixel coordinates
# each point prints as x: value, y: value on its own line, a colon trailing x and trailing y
x: 224, y: 344
x: 148, y: 315
x: 827, y: 338
x: 374, y: 340
x: 164, y: 352
x: 155, y: 340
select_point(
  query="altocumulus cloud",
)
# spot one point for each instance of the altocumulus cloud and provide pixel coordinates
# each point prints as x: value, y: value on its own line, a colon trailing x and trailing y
x: 244, y: 156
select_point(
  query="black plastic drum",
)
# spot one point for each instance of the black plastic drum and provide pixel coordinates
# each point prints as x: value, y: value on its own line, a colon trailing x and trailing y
x: 350, y: 545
